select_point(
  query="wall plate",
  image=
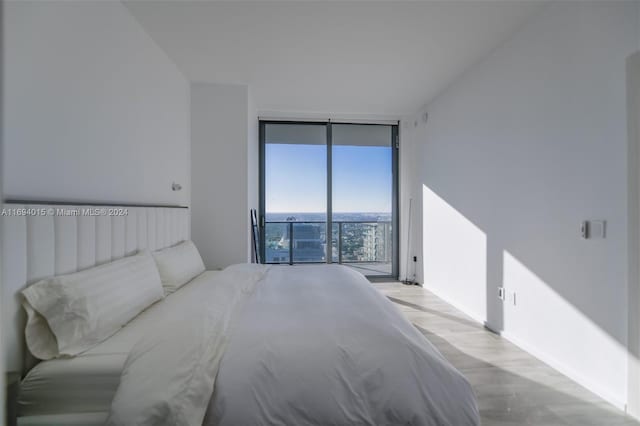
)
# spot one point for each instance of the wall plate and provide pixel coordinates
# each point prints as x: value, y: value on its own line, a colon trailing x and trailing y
x: 501, y: 293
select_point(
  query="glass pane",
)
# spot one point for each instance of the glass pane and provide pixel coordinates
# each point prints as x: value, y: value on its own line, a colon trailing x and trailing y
x: 276, y: 241
x: 362, y: 182
x: 295, y: 192
x: 309, y: 242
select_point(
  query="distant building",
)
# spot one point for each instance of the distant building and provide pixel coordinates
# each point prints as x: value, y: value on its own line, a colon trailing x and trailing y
x: 308, y: 244
x: 370, y: 244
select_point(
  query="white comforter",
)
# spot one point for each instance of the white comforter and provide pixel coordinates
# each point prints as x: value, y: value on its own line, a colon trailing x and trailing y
x: 169, y: 375
x: 302, y: 345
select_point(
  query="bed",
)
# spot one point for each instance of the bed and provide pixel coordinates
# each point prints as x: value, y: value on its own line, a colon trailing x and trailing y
x: 303, y: 345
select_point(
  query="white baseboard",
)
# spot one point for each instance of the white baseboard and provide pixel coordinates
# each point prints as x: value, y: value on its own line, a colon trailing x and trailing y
x: 468, y: 312
x: 541, y: 355
x: 567, y: 371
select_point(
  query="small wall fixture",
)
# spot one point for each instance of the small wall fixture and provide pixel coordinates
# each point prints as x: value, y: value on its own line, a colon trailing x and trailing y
x: 176, y: 186
x: 593, y: 229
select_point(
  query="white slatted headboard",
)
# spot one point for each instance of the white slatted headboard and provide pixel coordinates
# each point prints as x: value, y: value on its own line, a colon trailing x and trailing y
x: 46, y: 242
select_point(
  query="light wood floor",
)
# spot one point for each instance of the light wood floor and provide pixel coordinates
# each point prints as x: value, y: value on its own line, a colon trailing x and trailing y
x: 512, y: 387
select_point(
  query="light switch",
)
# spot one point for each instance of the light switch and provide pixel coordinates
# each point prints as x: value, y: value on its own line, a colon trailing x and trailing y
x: 597, y: 229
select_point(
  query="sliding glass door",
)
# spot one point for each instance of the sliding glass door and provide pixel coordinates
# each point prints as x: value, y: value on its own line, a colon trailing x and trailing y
x: 328, y: 194
x: 295, y: 193
x: 363, y: 197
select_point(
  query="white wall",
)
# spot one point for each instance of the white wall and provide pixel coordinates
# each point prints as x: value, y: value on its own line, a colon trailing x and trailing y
x: 94, y: 110
x: 3, y: 363
x: 410, y: 200
x: 220, y: 173
x: 253, y: 158
x: 515, y: 155
x: 633, y: 122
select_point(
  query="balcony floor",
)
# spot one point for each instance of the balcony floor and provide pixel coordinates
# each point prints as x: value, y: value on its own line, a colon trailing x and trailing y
x: 371, y: 269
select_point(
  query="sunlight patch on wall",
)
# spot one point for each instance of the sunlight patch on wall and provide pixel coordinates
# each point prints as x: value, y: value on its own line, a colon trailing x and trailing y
x: 575, y: 336
x: 455, y: 255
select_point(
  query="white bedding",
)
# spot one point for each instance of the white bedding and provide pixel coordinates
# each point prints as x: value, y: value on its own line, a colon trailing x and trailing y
x: 304, y: 345
x: 71, y: 313
x: 318, y: 345
x: 81, y: 384
x: 312, y: 345
x: 88, y: 382
x: 168, y: 376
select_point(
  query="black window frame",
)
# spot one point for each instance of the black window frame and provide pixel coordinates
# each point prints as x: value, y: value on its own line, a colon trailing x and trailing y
x: 395, y: 209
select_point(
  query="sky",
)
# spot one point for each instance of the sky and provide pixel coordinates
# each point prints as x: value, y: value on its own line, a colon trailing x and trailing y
x: 296, y: 177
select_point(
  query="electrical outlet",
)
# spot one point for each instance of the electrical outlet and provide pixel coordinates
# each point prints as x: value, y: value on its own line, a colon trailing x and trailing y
x: 501, y: 293
x: 593, y: 229
x: 597, y: 229
x: 415, y: 258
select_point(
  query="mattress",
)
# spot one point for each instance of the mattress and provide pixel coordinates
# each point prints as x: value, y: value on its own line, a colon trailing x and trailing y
x: 88, y: 382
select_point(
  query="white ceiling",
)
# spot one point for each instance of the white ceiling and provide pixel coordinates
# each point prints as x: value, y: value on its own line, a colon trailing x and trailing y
x: 365, y: 58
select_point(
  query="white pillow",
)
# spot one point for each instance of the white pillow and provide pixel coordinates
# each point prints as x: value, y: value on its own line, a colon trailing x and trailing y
x: 178, y: 265
x: 68, y: 314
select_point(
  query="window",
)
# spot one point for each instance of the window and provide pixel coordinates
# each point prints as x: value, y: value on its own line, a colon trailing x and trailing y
x: 329, y: 195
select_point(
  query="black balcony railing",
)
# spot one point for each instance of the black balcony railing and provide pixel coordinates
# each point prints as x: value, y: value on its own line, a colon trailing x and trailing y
x: 351, y: 242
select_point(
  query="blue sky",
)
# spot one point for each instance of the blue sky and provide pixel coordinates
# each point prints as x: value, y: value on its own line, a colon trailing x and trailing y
x: 295, y: 178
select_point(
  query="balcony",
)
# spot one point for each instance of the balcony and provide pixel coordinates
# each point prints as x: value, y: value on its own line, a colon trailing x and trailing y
x: 364, y: 246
